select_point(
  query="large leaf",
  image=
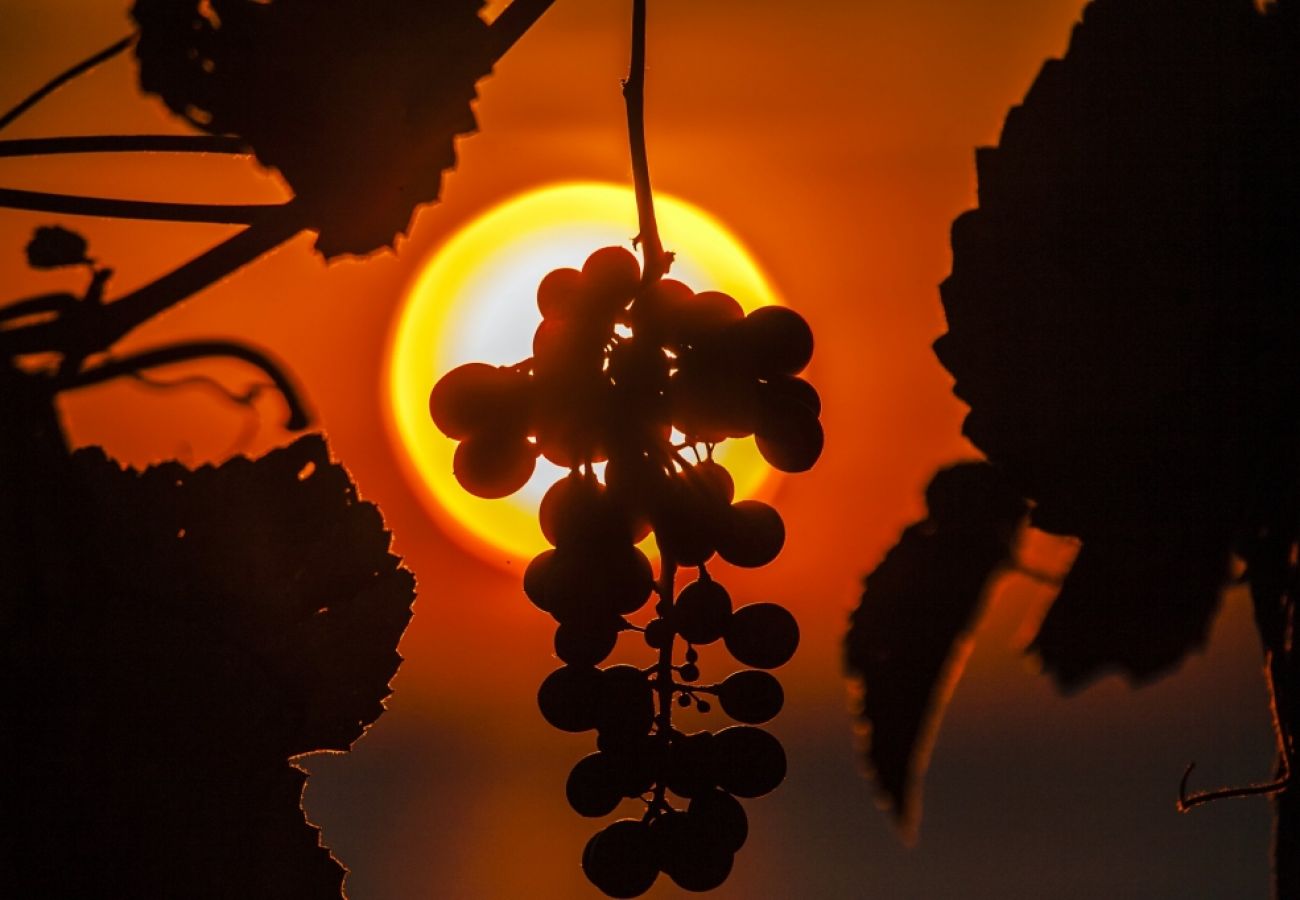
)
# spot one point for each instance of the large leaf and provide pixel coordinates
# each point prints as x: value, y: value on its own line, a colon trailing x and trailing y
x: 191, y: 631
x: 908, y: 637
x: 1134, y: 604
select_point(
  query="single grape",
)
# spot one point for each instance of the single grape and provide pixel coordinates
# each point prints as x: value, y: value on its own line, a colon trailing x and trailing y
x: 577, y: 509
x: 494, y: 465
x: 594, y: 786
x: 689, y: 672
x: 701, y: 866
x: 692, y: 856
x: 785, y: 389
x: 692, y: 764
x: 476, y: 397
x: 625, y: 704
x: 751, y: 696
x: 586, y: 644
x: 702, y: 611
x: 791, y: 439
x: 613, y: 274
x: 751, y: 534
x: 594, y: 582
x: 721, y: 815
x: 537, y: 580
x: 686, y: 521
x: 762, y: 635
x: 658, y: 634
x: 706, y: 315
x: 559, y: 292
x: 571, y: 418
x: 655, y: 310
x: 622, y: 860
x: 751, y: 762
x: 711, y: 407
x: 570, y: 698
x: 714, y: 479
x: 778, y: 339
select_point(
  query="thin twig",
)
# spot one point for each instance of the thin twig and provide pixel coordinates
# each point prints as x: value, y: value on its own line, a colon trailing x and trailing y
x: 125, y: 143
x: 64, y: 77
x: 111, y: 208
x: 115, y: 320
x: 187, y: 352
x: 657, y: 262
x: 1186, y: 802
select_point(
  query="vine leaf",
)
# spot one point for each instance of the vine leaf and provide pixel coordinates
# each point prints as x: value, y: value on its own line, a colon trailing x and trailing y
x: 53, y: 247
x: 1120, y: 315
x: 1135, y: 604
x: 194, y: 629
x: 908, y: 638
x: 356, y: 102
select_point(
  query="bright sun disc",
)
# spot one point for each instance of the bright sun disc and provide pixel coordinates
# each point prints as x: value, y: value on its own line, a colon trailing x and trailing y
x: 475, y: 300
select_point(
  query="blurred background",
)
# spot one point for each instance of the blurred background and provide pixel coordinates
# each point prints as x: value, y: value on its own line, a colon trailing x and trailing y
x: 837, y: 141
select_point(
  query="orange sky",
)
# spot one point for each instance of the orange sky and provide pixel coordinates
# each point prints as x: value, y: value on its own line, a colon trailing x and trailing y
x: 837, y: 141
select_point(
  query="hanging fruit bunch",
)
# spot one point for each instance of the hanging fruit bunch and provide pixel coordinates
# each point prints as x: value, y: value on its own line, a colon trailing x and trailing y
x: 642, y: 374
x: 619, y: 364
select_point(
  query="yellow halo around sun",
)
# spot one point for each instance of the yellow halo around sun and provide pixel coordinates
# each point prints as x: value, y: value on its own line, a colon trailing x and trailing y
x: 475, y: 300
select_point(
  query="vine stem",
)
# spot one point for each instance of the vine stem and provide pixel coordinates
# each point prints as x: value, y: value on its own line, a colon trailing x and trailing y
x: 115, y: 320
x: 125, y: 143
x: 657, y: 262
x: 664, y: 687
x: 136, y: 363
x: 1274, y: 588
x: 64, y: 77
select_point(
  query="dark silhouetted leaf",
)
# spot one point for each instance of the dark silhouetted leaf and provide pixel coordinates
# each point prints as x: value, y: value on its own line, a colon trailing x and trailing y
x: 1121, y: 314
x: 1133, y: 604
x: 356, y: 102
x: 906, y: 644
x: 53, y: 247
x: 189, y: 632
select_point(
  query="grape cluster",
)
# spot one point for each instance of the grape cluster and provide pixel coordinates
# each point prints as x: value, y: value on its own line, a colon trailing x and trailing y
x: 647, y: 376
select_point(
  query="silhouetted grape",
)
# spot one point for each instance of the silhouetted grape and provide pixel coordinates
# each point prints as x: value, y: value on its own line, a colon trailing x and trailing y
x: 613, y: 275
x: 571, y: 697
x: 690, y: 672
x: 622, y: 860
x: 750, y: 762
x: 789, y: 436
x: 494, y: 466
x: 702, y: 611
x: 537, y: 580
x: 762, y: 635
x: 691, y: 764
x: 704, y: 316
x: 659, y: 634
x: 751, y: 534
x: 778, y: 340
x: 594, y: 787
x: 721, y: 816
x: 625, y: 704
x: 586, y: 644
x: 477, y: 398
x: 751, y: 697
x: 558, y: 294
x: 784, y: 390
x: 690, y: 855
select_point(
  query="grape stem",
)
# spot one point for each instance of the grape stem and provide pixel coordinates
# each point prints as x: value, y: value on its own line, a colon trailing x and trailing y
x: 664, y: 683
x: 656, y: 261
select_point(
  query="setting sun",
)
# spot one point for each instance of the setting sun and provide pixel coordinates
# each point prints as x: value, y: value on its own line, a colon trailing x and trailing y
x: 475, y: 299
